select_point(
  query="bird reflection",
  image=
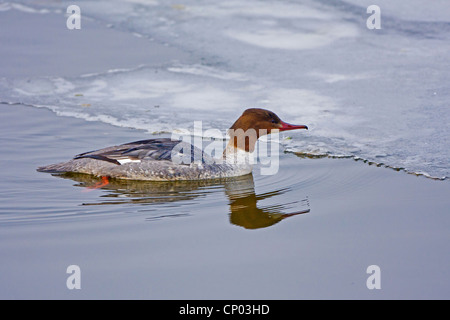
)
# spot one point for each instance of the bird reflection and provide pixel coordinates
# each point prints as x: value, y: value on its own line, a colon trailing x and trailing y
x: 246, y: 208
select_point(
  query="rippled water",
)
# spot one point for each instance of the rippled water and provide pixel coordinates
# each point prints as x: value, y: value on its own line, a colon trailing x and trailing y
x: 158, y: 200
x: 254, y: 237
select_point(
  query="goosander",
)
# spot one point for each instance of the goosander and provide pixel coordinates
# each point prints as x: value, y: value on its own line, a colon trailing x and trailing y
x: 153, y: 159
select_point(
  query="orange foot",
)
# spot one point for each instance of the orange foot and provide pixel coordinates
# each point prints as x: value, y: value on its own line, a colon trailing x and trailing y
x: 104, y: 182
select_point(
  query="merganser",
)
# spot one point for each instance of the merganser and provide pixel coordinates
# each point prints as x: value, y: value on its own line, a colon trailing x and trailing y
x: 153, y: 159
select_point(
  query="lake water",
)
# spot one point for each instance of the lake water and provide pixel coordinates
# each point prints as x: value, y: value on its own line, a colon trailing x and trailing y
x: 308, y: 232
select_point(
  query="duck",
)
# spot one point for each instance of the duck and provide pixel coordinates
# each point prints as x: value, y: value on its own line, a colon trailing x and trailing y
x: 165, y: 159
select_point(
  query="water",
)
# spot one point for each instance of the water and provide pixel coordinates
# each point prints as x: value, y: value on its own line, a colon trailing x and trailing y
x: 379, y: 95
x: 139, y: 69
x: 308, y: 232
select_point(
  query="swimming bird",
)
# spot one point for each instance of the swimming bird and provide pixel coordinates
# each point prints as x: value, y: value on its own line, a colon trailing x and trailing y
x: 165, y: 159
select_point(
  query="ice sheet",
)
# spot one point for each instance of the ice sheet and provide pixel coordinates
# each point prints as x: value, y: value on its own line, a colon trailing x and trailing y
x: 380, y: 95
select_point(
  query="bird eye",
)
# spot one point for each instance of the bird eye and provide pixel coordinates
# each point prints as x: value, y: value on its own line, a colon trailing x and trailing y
x: 274, y: 121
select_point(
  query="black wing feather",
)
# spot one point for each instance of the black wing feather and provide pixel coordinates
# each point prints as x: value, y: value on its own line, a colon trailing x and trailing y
x: 150, y: 149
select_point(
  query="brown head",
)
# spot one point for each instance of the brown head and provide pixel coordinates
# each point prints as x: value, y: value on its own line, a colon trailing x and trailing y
x: 254, y: 123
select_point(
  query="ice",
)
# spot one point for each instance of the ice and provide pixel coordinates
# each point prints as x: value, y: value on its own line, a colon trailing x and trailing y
x: 379, y: 95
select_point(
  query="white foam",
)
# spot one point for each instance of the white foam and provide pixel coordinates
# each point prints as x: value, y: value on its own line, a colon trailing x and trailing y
x: 335, y: 77
x: 27, y: 9
x: 144, y: 2
x: 208, y: 71
x: 282, y: 38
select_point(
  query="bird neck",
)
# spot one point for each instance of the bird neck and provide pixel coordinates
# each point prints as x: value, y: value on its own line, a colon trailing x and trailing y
x: 240, y: 148
x: 243, y: 140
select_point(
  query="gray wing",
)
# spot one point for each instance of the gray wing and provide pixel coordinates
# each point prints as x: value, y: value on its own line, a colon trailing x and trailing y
x: 151, y: 149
